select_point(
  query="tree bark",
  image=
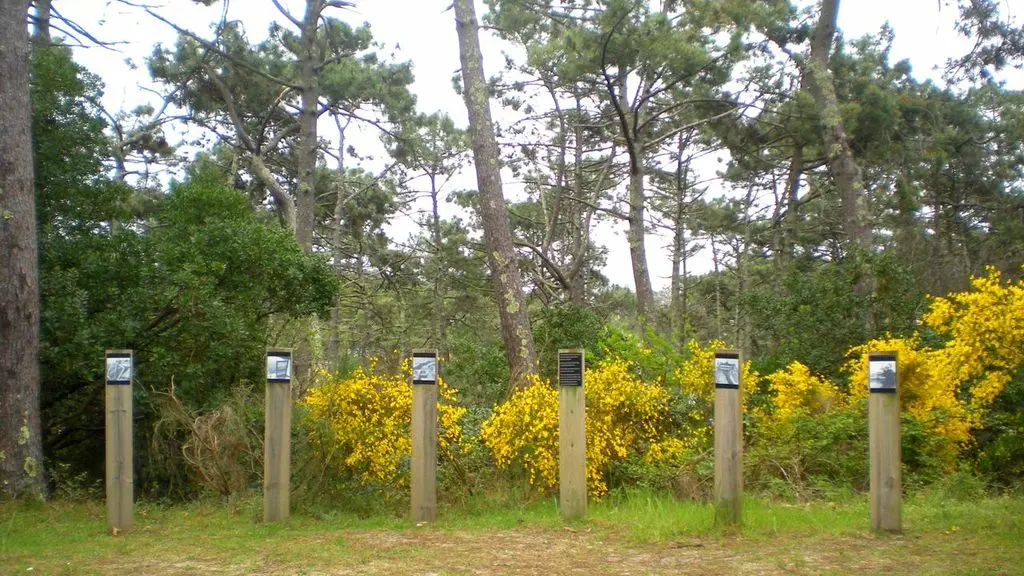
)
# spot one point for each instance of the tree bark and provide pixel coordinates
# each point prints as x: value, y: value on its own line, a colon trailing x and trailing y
x: 718, y: 288
x: 41, y: 27
x: 581, y: 221
x: 739, y: 317
x: 637, y: 233
x: 501, y: 256
x: 337, y: 236
x: 791, y: 226
x: 305, y: 159
x: 841, y: 162
x: 305, y: 154
x: 21, y: 448
x: 677, y: 318
x: 440, y: 315
x: 638, y: 244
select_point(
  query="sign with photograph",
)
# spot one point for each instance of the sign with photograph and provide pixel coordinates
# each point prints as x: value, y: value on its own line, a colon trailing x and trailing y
x: 727, y: 370
x: 424, y: 367
x: 570, y: 368
x: 279, y: 366
x: 119, y: 368
x: 882, y: 372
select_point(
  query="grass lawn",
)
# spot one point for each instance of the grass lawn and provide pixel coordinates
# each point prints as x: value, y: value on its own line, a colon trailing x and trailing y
x: 628, y: 533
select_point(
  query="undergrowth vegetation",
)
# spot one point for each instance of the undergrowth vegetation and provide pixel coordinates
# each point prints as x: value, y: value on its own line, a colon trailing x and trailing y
x: 649, y: 414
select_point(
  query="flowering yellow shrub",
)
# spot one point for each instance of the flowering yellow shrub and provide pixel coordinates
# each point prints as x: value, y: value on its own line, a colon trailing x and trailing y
x: 670, y: 450
x: 524, y: 431
x: 697, y: 374
x: 624, y: 416
x: 948, y: 387
x: 369, y: 417
x: 927, y: 391
x: 797, y: 391
x: 986, y: 330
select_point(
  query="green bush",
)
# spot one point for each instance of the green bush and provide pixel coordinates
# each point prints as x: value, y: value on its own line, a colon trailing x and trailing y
x: 999, y: 442
x: 797, y: 461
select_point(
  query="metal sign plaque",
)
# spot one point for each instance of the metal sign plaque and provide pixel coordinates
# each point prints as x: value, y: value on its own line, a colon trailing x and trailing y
x: 727, y: 370
x: 424, y: 367
x: 279, y: 366
x: 570, y: 367
x: 882, y: 372
x: 119, y: 368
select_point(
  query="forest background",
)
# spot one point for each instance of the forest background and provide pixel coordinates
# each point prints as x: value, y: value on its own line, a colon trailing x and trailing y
x: 831, y: 202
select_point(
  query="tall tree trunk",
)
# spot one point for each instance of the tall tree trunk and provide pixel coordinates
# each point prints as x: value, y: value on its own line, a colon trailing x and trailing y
x: 305, y: 193
x: 440, y: 314
x: 742, y: 334
x: 501, y: 256
x: 677, y: 319
x: 366, y: 304
x: 21, y: 447
x: 636, y: 235
x: 334, y: 340
x: 638, y: 244
x: 582, y: 212
x: 305, y: 158
x: 580, y: 222
x: 791, y: 226
x: 41, y: 27
x: 841, y: 162
x: 684, y: 296
x: 718, y: 288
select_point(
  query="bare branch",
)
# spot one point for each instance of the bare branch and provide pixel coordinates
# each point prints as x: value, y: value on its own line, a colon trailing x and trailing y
x: 548, y: 264
x: 79, y: 31
x: 284, y: 11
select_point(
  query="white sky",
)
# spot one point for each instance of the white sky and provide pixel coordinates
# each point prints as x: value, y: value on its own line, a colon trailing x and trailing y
x: 423, y: 31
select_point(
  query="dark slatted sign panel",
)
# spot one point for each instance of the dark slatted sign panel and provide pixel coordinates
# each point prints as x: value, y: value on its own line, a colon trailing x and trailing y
x: 570, y: 368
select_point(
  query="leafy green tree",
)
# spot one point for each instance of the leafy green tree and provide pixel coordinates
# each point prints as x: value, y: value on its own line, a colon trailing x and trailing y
x: 652, y: 73
x: 192, y: 288
x: 266, y: 99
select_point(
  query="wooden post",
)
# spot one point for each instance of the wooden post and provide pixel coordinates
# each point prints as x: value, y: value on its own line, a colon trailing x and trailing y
x: 277, y: 436
x: 119, y: 365
x: 424, y: 436
x: 728, y: 437
x: 572, y: 435
x: 884, y: 441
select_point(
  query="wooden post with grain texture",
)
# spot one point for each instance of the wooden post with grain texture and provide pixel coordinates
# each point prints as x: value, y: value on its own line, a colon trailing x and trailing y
x: 884, y: 441
x: 728, y: 437
x: 572, y: 435
x: 277, y: 436
x: 423, y: 462
x: 120, y: 485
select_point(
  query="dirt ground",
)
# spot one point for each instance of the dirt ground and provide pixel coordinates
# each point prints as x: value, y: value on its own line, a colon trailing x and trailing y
x: 565, y: 551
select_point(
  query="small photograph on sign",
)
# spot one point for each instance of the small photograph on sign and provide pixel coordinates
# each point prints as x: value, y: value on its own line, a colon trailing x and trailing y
x: 119, y: 369
x: 727, y: 372
x: 882, y: 374
x: 279, y: 367
x: 424, y: 369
